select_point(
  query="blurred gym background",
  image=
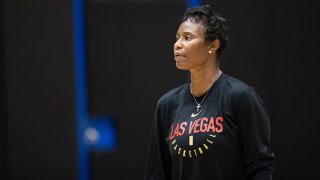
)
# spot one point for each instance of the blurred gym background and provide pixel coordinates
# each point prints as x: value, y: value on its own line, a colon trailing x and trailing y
x: 79, y: 81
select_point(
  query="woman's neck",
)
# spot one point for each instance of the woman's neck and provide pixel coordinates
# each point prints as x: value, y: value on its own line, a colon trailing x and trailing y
x: 202, y: 80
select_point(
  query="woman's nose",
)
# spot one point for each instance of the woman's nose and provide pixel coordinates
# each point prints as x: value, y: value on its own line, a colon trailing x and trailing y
x: 177, y: 45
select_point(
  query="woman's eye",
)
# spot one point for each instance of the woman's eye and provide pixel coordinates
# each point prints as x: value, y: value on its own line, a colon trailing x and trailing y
x: 187, y: 38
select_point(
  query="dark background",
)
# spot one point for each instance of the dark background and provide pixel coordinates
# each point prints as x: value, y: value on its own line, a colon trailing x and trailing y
x: 274, y: 48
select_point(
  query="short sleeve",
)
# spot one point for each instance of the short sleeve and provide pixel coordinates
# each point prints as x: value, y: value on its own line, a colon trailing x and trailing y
x: 254, y: 127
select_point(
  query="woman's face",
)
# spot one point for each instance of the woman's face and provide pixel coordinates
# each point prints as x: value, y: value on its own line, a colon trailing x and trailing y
x: 191, y: 51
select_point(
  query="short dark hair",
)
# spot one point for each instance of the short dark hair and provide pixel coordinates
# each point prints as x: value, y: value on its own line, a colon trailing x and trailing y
x: 214, y: 25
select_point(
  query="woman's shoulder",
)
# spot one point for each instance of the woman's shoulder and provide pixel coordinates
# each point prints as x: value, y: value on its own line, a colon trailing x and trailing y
x: 236, y: 86
x: 173, y: 94
x: 242, y: 94
x: 240, y: 90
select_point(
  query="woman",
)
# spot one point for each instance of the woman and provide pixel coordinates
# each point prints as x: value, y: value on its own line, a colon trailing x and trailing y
x: 215, y: 127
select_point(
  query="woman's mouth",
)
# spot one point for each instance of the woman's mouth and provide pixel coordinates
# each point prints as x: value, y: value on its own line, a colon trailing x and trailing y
x: 178, y: 56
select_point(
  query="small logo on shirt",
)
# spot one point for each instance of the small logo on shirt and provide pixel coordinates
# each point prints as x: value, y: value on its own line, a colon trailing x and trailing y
x: 194, y: 115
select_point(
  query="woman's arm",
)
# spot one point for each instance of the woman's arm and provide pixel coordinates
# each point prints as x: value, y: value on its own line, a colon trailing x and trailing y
x: 254, y: 129
x: 158, y: 165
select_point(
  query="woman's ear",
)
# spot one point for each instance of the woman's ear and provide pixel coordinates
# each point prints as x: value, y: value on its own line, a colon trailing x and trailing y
x: 214, y: 45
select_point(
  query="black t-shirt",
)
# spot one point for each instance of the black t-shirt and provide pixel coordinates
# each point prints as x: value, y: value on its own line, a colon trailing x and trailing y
x: 227, y: 139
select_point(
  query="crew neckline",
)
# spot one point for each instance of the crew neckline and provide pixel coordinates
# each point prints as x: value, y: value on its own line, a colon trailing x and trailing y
x: 210, y: 89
